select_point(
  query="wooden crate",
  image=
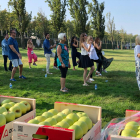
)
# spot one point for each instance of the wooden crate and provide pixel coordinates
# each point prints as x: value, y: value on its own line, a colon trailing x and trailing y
x: 6, y: 130
x: 127, y: 114
x: 54, y: 133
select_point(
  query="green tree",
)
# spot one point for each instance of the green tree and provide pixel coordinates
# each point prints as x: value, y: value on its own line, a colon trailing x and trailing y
x: 41, y: 24
x: 78, y: 11
x: 23, y: 17
x: 97, y: 18
x: 111, y: 28
x: 3, y: 21
x: 58, y: 8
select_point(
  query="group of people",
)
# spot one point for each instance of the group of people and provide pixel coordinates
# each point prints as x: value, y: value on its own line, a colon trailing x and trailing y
x: 91, y: 51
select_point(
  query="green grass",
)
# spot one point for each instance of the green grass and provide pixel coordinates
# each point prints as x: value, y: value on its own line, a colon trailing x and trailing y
x: 115, y: 96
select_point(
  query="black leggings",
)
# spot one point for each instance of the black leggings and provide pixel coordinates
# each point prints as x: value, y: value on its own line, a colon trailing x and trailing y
x: 74, y: 55
x: 5, y: 63
x: 99, y: 65
x: 63, y: 71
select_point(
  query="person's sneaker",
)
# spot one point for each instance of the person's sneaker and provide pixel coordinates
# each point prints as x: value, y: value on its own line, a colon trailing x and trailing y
x: 34, y: 64
x: 55, y: 67
x: 12, y: 79
x: 91, y: 79
x: 98, y: 73
x: 49, y: 73
x: 22, y: 77
x: 104, y: 71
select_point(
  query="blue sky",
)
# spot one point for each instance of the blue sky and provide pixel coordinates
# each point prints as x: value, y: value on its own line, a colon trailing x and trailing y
x: 125, y: 12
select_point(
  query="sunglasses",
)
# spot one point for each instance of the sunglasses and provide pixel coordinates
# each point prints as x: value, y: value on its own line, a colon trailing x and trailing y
x: 85, y: 35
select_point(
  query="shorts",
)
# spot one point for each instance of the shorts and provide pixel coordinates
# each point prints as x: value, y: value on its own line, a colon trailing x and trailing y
x: 16, y: 62
x: 63, y: 71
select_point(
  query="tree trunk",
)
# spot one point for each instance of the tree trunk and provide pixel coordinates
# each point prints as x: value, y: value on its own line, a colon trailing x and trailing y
x: 121, y: 45
x: 22, y: 40
x: 1, y: 32
x: 112, y: 45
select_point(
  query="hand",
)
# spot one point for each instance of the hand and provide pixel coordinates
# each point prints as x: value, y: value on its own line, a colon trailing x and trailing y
x: 90, y: 42
x: 19, y: 55
x: 69, y: 66
x: 54, y: 45
x: 100, y: 43
x: 63, y: 65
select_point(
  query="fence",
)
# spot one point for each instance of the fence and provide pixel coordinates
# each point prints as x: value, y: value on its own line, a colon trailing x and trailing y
x: 104, y: 45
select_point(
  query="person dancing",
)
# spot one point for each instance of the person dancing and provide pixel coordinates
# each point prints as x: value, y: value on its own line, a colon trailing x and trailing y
x: 74, y: 54
x: 30, y: 53
x: 93, y: 56
x: 105, y: 62
x: 85, y: 61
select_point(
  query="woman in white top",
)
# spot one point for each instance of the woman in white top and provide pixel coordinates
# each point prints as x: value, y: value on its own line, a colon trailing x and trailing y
x: 137, y: 60
x: 85, y: 61
x: 94, y: 58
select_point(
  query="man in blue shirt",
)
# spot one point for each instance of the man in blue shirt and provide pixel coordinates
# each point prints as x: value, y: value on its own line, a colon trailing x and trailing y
x: 15, y: 56
x: 4, y: 45
x: 47, y: 51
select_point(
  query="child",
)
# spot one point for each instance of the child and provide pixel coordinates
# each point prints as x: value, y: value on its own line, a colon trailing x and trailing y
x: 85, y: 61
x: 30, y: 53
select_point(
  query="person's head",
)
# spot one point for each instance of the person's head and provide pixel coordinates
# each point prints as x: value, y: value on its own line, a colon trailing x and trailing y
x: 6, y: 36
x: 29, y: 41
x: 13, y: 33
x: 137, y: 40
x: 89, y: 38
x: 47, y: 36
x: 62, y: 37
x: 97, y: 40
x: 83, y: 38
x: 73, y: 39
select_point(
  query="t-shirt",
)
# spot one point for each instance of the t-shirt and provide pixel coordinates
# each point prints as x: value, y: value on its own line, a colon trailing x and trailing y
x: 4, y: 45
x: 46, y: 46
x: 92, y: 53
x: 12, y: 55
x: 136, y: 52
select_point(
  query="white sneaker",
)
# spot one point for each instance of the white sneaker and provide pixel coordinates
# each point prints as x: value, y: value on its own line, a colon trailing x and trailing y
x: 92, y: 80
x: 104, y: 71
x: 49, y: 73
x: 55, y: 67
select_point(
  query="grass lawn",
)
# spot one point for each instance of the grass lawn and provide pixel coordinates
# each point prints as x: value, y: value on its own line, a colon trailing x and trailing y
x: 115, y: 96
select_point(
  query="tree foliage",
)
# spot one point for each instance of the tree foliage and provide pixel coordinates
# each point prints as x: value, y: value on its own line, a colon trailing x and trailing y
x: 110, y: 27
x: 22, y: 16
x: 78, y: 11
x: 97, y: 18
x: 58, y: 7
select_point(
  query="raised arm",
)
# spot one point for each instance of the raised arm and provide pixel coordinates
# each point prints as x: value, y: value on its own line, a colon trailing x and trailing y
x: 96, y: 45
x: 76, y: 44
x: 87, y: 49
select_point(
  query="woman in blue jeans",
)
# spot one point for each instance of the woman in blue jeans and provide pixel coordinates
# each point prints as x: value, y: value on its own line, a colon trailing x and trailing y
x: 74, y: 53
x: 63, y: 60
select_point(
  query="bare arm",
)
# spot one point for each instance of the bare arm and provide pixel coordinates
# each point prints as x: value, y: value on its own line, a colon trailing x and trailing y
x: 87, y: 49
x: 59, y: 50
x: 96, y: 45
x: 29, y: 46
x: 138, y: 55
x: 75, y: 45
x: 14, y: 50
x: 53, y: 46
